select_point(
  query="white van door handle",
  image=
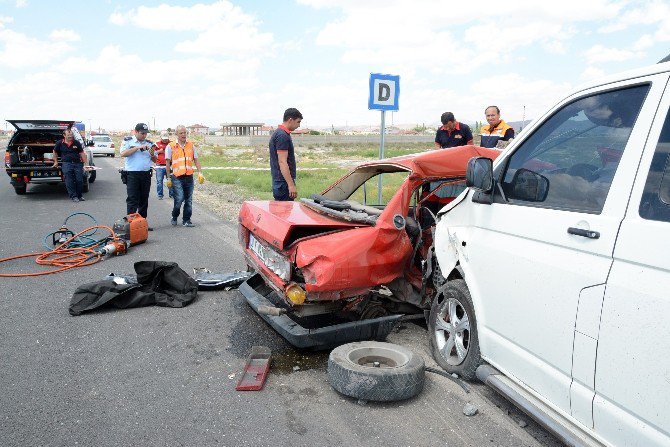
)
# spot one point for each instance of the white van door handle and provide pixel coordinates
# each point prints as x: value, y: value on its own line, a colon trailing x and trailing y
x: 585, y: 233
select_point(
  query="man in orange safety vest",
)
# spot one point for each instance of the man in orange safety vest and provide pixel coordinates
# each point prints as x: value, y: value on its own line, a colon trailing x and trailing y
x: 180, y: 156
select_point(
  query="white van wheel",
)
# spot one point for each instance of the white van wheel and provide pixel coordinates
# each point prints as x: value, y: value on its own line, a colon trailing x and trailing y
x: 453, y: 330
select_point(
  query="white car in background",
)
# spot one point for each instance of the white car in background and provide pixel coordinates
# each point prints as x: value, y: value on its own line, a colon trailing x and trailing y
x: 103, y: 145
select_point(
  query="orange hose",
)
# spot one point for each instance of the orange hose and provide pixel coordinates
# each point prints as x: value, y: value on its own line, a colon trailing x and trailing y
x: 64, y: 258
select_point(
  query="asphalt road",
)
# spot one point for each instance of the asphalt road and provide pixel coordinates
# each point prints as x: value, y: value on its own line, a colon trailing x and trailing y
x: 162, y: 376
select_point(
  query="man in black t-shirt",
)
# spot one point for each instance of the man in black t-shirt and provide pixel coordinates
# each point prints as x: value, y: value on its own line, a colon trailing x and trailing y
x: 452, y: 133
x: 282, y: 157
x: 73, y: 159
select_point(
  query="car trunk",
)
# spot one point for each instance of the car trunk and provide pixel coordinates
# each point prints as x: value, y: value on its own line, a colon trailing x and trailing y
x: 33, y: 142
x: 282, y: 223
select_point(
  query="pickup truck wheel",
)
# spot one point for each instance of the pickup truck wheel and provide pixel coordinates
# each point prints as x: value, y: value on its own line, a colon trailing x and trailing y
x: 91, y: 176
x: 21, y: 190
x: 452, y: 329
x: 375, y: 371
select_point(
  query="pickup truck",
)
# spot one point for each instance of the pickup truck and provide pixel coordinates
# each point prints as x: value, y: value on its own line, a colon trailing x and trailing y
x: 558, y: 266
x: 29, y: 153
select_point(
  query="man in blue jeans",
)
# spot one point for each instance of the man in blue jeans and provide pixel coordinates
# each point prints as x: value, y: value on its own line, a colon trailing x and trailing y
x: 73, y: 159
x: 160, y: 146
x: 180, y: 156
x: 282, y: 157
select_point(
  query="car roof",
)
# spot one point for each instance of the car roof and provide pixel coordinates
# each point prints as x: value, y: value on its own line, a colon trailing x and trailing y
x: 437, y: 163
x: 28, y: 125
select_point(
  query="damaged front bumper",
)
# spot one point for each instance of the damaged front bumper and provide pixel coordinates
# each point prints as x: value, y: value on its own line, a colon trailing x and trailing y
x: 313, y: 333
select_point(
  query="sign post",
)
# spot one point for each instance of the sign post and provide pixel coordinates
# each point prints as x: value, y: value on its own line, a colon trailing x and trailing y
x: 384, y: 93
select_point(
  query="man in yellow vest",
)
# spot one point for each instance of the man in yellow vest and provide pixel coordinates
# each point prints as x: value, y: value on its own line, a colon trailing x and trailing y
x: 497, y: 130
x: 180, y: 156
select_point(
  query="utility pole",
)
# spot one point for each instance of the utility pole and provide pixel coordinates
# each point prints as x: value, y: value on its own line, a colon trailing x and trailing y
x: 523, y: 119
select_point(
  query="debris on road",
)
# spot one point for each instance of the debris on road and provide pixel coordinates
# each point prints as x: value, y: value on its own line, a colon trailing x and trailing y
x: 160, y: 283
x: 256, y: 369
x: 215, y: 281
x: 470, y: 409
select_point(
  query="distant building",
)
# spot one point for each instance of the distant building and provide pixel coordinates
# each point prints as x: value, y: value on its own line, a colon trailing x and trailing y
x: 266, y: 130
x: 197, y: 129
x: 242, y: 129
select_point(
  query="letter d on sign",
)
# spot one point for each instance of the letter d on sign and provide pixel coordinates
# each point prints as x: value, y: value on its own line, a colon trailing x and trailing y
x: 384, y: 92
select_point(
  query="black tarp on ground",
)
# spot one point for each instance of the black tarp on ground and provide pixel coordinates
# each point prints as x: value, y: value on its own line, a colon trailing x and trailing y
x: 159, y: 283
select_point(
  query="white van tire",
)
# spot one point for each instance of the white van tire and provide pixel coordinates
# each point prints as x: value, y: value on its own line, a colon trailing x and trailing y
x: 453, y: 338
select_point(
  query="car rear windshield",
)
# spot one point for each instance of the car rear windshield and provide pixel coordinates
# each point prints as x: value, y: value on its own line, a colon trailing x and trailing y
x: 102, y: 138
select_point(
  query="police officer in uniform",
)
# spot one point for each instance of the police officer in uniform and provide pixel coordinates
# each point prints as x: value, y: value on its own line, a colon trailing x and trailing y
x: 139, y: 156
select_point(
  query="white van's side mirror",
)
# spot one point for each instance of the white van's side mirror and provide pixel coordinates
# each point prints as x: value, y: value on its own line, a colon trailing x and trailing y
x: 479, y: 174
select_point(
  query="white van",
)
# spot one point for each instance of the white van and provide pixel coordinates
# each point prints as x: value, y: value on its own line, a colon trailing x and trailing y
x: 559, y: 265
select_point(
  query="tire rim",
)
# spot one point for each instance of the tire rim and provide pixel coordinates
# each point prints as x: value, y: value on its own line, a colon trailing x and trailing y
x: 452, y: 331
x: 376, y: 357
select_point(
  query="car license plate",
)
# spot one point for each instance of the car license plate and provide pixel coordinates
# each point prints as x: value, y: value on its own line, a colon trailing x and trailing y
x: 256, y: 247
x: 44, y: 174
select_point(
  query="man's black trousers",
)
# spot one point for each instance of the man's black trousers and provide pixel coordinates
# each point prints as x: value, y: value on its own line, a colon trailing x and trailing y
x: 138, y: 187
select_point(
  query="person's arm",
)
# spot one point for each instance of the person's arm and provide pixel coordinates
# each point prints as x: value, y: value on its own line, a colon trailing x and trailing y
x: 55, y: 156
x: 127, y: 150
x: 83, y: 157
x: 437, y: 141
x: 437, y: 145
x: 468, y: 135
x: 509, y: 134
x: 168, y: 160
x: 282, y: 158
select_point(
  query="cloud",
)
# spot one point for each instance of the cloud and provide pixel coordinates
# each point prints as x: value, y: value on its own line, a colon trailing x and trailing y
x: 5, y: 19
x: 376, y: 31
x: 21, y: 3
x: 122, y: 69
x: 599, y: 54
x: 640, y: 13
x: 20, y: 51
x: 221, y: 27
x: 64, y: 35
x: 592, y: 73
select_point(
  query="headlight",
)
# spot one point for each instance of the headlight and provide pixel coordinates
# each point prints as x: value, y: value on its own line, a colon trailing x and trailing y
x: 276, y: 262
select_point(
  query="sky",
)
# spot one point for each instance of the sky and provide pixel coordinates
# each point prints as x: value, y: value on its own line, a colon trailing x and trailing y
x: 112, y: 64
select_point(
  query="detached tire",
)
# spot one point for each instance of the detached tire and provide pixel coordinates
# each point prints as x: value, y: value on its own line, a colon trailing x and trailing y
x: 376, y: 371
x: 452, y: 329
x: 85, y: 186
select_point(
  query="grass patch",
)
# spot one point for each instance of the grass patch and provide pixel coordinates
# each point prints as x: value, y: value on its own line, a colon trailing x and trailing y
x: 258, y: 184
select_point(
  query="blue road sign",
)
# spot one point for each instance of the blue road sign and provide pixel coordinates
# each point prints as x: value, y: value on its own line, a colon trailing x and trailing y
x: 384, y: 92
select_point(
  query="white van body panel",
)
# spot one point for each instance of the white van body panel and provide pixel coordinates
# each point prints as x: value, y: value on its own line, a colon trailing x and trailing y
x: 553, y: 308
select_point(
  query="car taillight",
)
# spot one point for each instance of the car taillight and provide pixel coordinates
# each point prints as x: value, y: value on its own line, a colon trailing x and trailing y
x: 7, y: 158
x: 112, y: 146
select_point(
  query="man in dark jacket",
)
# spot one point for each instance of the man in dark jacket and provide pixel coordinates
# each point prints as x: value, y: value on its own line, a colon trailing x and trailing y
x: 452, y: 133
x: 73, y: 158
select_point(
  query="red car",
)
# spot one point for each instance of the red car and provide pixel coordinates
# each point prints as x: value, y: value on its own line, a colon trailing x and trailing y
x: 343, y: 266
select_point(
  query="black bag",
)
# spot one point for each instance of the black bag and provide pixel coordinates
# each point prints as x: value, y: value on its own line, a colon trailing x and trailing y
x: 124, y: 176
x: 160, y: 283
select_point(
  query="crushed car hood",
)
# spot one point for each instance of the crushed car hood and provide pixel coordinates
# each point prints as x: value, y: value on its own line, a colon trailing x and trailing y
x: 282, y: 223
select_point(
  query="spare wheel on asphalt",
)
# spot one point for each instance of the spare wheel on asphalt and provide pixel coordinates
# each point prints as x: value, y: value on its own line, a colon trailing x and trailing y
x: 376, y: 371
